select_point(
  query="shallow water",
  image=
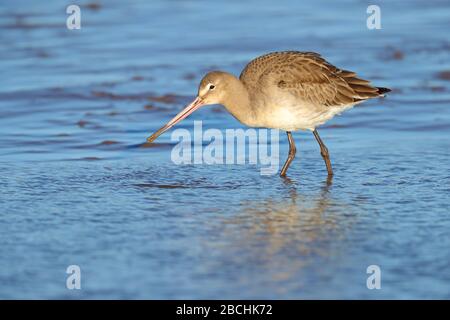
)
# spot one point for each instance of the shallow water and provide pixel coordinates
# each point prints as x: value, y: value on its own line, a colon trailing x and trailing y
x: 78, y: 188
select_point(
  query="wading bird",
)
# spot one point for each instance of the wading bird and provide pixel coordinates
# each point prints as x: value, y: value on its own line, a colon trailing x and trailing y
x: 288, y: 90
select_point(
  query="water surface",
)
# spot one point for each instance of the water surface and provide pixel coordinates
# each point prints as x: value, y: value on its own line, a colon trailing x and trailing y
x: 78, y: 188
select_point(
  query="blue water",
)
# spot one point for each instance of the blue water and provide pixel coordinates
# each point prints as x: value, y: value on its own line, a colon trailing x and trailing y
x: 77, y: 187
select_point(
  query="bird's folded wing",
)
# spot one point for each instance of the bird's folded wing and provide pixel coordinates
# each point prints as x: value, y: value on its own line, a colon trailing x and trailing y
x: 309, y: 77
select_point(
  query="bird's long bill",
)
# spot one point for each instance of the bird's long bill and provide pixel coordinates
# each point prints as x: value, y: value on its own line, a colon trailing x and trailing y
x: 194, y: 105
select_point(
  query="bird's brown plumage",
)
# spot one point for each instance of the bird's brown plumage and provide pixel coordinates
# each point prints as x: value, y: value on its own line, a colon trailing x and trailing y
x: 309, y: 77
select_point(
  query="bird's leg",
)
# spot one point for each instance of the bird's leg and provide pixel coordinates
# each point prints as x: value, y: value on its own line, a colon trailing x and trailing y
x: 324, y: 153
x: 291, y: 155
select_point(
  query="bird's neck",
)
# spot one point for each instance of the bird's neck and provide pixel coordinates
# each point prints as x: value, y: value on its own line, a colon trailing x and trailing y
x: 238, y: 103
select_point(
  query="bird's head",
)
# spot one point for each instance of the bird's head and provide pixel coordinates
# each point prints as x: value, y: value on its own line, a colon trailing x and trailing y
x: 214, y: 87
x: 212, y: 90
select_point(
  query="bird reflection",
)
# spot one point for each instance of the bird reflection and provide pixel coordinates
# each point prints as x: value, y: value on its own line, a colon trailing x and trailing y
x: 285, y: 233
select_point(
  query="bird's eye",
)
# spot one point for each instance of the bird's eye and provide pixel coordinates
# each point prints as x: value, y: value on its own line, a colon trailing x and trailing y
x: 211, y: 87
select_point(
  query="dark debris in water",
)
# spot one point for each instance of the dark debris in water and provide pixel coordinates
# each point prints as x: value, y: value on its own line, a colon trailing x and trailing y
x: 218, y: 109
x: 82, y: 123
x: 161, y: 186
x: 152, y: 145
x: 85, y: 123
x: 336, y: 126
x: 108, y: 142
x: 93, y: 6
x: 392, y: 53
x: 189, y: 76
x: 444, y: 75
x: 114, y: 96
x: 42, y: 54
x: 438, y: 89
x: 90, y: 158
x: 149, y: 107
x: 21, y: 24
x: 167, y: 98
x: 152, y: 107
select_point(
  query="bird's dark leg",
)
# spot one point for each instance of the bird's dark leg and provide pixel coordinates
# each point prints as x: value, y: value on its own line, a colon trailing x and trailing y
x: 291, y: 155
x: 324, y: 153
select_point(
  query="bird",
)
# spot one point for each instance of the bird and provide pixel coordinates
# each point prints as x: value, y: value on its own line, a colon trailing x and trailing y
x: 285, y: 90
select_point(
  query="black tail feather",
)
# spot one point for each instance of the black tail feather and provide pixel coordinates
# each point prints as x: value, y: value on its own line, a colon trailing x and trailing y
x: 382, y: 90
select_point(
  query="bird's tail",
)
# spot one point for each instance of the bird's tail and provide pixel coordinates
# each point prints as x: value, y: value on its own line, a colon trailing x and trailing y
x: 382, y: 91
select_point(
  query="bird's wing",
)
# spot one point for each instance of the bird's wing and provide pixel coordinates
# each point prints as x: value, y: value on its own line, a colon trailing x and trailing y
x: 308, y: 77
